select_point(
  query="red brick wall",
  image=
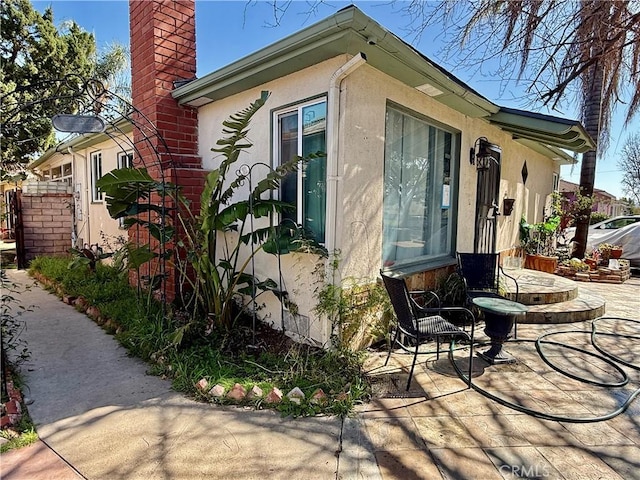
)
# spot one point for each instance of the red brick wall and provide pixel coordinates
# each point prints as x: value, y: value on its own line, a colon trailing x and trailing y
x: 47, y: 220
x: 163, y: 50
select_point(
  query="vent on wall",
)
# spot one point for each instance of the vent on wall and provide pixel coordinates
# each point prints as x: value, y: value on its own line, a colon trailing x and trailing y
x: 298, y: 324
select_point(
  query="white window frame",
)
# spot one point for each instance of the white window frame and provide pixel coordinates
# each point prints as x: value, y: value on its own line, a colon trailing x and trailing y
x: 125, y: 159
x: 96, y: 172
x: 443, y: 196
x: 68, y: 178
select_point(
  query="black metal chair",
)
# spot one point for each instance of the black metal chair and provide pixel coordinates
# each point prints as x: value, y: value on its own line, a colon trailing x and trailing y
x: 481, y: 274
x: 421, y: 323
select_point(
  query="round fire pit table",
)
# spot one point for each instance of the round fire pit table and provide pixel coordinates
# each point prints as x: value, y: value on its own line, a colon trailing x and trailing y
x: 499, y: 315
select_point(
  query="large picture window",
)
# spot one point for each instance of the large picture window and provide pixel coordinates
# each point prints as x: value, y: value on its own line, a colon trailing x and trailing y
x: 300, y: 131
x: 417, y: 206
x: 96, y: 173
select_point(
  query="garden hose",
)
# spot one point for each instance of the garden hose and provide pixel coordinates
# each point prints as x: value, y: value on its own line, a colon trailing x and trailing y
x: 604, y: 355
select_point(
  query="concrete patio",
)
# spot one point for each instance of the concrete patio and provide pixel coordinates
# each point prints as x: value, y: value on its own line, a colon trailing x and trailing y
x: 441, y: 429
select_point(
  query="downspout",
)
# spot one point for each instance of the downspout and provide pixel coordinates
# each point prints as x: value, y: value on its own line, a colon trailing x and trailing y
x: 334, y: 173
x: 85, y: 184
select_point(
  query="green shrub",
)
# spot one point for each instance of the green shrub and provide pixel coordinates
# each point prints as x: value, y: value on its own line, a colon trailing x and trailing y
x: 597, y: 217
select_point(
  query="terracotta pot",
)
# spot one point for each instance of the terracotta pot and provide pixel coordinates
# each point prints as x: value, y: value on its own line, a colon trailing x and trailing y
x: 593, y: 264
x: 541, y: 263
x: 616, y: 252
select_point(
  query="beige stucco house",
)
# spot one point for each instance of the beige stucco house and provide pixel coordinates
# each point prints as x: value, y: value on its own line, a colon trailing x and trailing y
x: 418, y: 164
x: 78, y: 163
x: 401, y: 188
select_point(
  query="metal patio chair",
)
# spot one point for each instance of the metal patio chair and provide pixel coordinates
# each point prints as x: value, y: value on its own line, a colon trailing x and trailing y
x: 419, y: 324
x: 481, y: 274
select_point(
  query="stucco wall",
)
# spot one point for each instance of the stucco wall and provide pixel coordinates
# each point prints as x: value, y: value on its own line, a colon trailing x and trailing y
x: 298, y: 270
x: 366, y: 92
x: 364, y: 96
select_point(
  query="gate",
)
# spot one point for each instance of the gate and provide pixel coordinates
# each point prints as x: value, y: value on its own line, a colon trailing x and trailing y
x: 14, y: 222
x: 487, y: 158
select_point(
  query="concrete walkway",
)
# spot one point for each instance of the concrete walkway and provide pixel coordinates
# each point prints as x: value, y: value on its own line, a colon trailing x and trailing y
x: 97, y: 411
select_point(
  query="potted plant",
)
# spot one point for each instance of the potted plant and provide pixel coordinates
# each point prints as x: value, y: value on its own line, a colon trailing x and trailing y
x: 609, y: 251
x: 538, y: 243
x: 570, y: 267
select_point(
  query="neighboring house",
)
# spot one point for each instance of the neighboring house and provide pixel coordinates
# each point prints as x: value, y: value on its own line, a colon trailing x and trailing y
x: 401, y: 188
x: 603, y: 202
x: 78, y: 163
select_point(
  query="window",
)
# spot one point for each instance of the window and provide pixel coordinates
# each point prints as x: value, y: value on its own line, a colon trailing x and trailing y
x: 556, y: 181
x: 96, y: 173
x: 61, y: 173
x: 125, y: 160
x: 300, y: 131
x: 419, y: 166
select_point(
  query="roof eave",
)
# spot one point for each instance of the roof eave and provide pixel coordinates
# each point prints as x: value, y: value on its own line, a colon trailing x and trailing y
x: 556, y: 154
x: 349, y: 32
x: 545, y: 129
x: 122, y: 126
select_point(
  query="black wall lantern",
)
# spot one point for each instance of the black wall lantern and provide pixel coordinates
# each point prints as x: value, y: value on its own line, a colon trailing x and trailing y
x: 507, y: 206
x: 482, y: 152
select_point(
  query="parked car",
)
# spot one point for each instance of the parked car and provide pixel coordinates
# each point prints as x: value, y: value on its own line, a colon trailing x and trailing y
x: 627, y: 237
x: 600, y: 227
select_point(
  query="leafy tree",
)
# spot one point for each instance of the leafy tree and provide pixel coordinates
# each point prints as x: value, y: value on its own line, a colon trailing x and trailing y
x: 629, y: 163
x: 587, y: 49
x: 36, y: 57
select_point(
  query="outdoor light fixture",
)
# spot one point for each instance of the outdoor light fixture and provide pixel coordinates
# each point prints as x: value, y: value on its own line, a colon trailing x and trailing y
x: 78, y: 123
x: 482, y: 152
x: 507, y: 206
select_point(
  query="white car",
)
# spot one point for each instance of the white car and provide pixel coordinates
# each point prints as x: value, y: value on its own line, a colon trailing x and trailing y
x: 627, y: 237
x: 602, y: 227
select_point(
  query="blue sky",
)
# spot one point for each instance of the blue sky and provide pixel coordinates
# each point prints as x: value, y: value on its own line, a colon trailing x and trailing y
x: 229, y: 30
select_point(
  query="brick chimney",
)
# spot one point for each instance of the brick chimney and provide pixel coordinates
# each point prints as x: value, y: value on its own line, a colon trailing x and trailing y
x: 163, y: 51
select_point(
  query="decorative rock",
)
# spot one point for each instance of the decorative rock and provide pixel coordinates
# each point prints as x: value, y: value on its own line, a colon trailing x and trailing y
x: 274, y: 396
x: 342, y: 396
x: 255, y: 392
x: 81, y: 304
x: 12, y: 407
x: 202, y: 384
x: 93, y: 312
x: 296, y: 395
x: 237, y: 392
x: 217, y: 391
x: 69, y: 300
x: 319, y: 397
